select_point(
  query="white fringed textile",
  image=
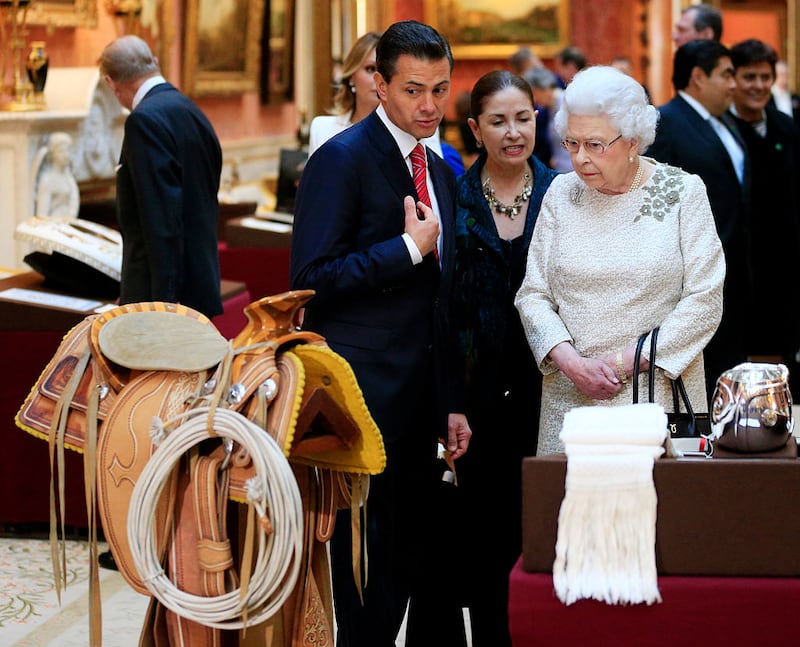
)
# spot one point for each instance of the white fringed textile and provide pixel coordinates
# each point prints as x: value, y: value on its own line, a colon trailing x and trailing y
x: 605, y: 548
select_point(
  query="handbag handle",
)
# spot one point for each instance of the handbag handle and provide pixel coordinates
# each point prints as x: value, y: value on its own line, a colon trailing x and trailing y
x: 678, y: 388
x: 651, y: 371
x: 636, y: 358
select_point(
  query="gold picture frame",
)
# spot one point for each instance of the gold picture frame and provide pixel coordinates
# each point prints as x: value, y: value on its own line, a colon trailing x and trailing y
x: 63, y: 13
x: 494, y: 29
x: 222, y: 51
x: 278, y: 59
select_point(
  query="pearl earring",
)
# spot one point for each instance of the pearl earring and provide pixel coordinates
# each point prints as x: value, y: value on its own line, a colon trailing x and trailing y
x: 352, y: 88
x: 630, y: 159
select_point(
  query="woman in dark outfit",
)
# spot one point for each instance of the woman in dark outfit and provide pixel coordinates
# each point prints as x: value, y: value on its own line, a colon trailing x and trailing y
x: 498, y: 201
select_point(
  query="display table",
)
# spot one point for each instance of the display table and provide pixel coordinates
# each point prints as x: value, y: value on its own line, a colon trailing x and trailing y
x: 726, y: 554
x: 717, y: 517
x: 252, y: 231
x: 29, y: 337
x: 60, y: 312
x: 695, y: 611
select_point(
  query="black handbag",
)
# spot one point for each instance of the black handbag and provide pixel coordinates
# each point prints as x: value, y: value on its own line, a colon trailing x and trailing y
x: 681, y: 424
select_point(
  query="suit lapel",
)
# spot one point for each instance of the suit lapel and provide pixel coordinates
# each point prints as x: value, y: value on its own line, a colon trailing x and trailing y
x: 388, y: 157
x: 394, y: 168
x: 730, y: 123
x: 703, y: 129
x: 707, y: 132
x: 446, y: 208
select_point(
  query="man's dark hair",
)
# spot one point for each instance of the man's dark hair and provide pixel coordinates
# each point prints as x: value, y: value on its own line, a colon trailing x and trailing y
x: 703, y: 53
x: 752, y: 51
x: 520, y: 59
x: 574, y: 55
x: 414, y: 39
x: 706, y: 16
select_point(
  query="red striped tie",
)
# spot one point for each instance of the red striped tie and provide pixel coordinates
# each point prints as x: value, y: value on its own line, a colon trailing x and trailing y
x: 419, y: 170
x: 420, y: 173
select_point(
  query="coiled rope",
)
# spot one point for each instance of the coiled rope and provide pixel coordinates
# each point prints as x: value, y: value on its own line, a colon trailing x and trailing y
x: 273, y: 491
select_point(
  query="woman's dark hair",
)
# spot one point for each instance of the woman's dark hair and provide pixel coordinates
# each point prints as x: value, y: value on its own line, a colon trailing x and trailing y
x: 491, y: 83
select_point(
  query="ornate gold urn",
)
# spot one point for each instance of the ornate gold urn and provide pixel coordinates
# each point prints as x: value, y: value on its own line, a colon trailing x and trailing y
x: 37, y: 65
x: 18, y: 95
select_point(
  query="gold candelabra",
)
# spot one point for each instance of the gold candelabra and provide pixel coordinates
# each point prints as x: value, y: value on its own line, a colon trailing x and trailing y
x: 18, y: 95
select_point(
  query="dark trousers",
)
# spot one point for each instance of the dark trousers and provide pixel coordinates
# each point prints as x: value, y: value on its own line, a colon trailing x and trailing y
x: 406, y: 562
x: 505, y: 430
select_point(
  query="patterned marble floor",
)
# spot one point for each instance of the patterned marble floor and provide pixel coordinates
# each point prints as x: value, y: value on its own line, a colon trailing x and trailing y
x: 30, y: 615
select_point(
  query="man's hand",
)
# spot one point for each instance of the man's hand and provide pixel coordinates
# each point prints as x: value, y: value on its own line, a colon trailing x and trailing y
x: 421, y: 224
x: 458, y: 435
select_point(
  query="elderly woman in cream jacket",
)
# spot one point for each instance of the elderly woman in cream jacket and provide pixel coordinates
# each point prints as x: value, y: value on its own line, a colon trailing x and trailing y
x: 622, y: 244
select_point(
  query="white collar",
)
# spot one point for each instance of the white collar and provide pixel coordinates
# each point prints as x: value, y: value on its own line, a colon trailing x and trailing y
x: 699, y: 107
x: 145, y: 87
x: 405, y: 141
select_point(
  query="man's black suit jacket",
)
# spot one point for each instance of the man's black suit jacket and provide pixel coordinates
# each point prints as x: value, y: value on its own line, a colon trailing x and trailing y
x: 167, y: 184
x: 775, y: 232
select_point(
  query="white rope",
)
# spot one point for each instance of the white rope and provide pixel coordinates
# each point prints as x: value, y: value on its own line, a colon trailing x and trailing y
x: 273, y: 489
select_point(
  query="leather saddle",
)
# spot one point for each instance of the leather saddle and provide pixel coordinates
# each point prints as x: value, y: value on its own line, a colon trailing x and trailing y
x: 119, y: 375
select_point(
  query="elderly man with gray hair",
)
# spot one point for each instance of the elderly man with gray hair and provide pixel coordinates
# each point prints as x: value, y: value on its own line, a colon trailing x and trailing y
x: 167, y: 182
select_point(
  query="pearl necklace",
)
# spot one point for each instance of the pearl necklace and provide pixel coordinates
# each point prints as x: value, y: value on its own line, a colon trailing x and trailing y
x: 637, y: 179
x: 511, y: 210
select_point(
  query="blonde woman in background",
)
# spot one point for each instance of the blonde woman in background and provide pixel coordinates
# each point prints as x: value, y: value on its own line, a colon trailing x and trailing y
x: 355, y: 97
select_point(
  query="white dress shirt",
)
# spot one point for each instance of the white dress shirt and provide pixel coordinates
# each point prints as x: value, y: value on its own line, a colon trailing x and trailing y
x: 406, y: 143
x: 735, y: 151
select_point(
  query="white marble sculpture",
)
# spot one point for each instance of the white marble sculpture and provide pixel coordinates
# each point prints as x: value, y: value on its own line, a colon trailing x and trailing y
x: 96, y: 151
x: 56, y: 193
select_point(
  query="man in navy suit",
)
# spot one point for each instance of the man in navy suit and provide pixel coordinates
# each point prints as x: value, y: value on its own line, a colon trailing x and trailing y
x: 381, y: 264
x: 695, y: 133
x: 167, y: 183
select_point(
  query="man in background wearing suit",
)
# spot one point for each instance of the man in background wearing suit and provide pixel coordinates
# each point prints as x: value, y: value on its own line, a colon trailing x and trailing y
x: 167, y: 183
x: 773, y: 146
x: 695, y: 134
x: 380, y: 261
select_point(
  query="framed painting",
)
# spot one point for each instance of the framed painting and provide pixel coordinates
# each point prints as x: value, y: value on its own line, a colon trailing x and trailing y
x: 222, y: 48
x: 277, y: 74
x: 485, y: 29
x: 63, y: 13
